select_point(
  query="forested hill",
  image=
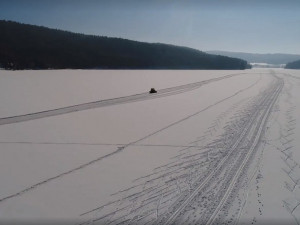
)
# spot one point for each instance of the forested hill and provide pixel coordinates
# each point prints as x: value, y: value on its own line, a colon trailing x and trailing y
x: 34, y: 47
x: 293, y: 65
x: 276, y: 58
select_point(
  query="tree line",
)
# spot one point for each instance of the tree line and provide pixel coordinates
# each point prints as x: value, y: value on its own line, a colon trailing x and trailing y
x: 293, y: 65
x: 25, y: 46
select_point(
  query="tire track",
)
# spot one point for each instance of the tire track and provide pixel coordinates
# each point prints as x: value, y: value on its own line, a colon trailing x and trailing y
x: 246, y: 160
x: 114, y: 101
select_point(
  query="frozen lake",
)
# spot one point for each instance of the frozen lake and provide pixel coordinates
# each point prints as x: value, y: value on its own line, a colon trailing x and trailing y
x: 221, y: 147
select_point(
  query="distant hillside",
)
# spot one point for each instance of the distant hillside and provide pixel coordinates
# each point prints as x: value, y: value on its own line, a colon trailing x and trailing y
x: 277, y: 58
x: 293, y: 65
x: 34, y: 47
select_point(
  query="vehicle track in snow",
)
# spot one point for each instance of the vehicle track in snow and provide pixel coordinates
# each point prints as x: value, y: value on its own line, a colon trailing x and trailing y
x: 257, y: 138
x: 114, y: 101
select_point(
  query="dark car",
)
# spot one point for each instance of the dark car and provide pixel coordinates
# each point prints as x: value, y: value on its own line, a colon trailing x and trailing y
x: 152, y: 91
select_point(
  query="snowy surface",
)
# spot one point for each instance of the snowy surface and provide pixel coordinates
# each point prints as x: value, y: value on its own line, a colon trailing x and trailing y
x: 32, y: 91
x: 64, y: 168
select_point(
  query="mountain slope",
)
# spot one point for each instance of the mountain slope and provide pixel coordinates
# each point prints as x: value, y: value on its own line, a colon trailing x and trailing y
x: 34, y: 47
x: 277, y: 58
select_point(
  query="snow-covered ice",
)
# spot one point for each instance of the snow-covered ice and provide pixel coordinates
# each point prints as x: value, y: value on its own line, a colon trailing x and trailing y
x: 224, y: 151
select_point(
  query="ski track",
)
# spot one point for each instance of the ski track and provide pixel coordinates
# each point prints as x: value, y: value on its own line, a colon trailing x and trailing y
x: 121, y: 148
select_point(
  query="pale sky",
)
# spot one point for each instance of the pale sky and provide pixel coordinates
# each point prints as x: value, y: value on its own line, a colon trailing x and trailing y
x: 256, y: 26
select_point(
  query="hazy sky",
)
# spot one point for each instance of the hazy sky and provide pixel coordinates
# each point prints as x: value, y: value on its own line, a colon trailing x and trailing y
x: 258, y: 26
